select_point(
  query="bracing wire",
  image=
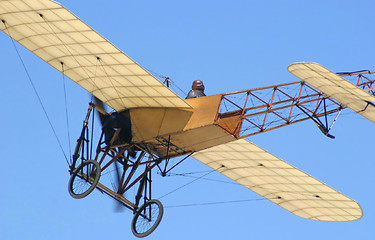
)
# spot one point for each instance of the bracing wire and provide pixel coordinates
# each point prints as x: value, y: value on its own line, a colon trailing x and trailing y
x: 170, y: 80
x: 216, y: 203
x: 208, y: 203
x: 36, y: 93
x: 207, y: 179
x: 72, y: 55
x: 66, y: 108
x: 186, y: 184
x: 189, y: 175
x: 110, y: 79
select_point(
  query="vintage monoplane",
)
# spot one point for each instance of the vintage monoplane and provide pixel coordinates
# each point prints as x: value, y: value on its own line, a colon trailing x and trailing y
x: 211, y: 129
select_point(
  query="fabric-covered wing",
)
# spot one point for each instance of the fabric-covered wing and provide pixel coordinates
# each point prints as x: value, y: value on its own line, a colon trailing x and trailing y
x: 336, y: 87
x: 57, y: 36
x: 278, y: 181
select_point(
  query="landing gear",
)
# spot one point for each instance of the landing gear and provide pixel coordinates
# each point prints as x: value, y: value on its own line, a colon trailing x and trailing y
x: 133, y: 163
x: 84, y: 179
x: 147, y: 218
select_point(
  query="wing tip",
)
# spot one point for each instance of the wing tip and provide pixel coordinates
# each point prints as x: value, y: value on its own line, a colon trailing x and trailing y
x: 354, y: 213
x: 295, y: 65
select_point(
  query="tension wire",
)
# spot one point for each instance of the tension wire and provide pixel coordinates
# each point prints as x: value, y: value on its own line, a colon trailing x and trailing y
x: 70, y: 54
x: 186, y: 184
x: 36, y: 92
x: 167, y: 79
x: 216, y: 203
x: 66, y: 108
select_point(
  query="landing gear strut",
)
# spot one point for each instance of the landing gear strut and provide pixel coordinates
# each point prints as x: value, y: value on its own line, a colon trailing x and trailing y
x: 131, y: 170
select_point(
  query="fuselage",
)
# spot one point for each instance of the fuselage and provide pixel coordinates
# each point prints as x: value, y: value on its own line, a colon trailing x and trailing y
x: 183, y: 130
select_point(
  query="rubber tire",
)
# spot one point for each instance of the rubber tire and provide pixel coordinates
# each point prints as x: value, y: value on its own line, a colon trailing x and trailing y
x: 154, y: 226
x: 75, y: 174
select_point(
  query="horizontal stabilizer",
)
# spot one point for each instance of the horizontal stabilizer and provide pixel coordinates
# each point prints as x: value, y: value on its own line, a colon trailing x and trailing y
x: 336, y: 87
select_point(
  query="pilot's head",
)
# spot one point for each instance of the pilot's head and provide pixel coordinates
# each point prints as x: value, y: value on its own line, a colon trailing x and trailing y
x: 197, y: 85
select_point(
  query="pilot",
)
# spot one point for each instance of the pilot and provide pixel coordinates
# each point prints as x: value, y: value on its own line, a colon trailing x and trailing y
x: 197, y: 90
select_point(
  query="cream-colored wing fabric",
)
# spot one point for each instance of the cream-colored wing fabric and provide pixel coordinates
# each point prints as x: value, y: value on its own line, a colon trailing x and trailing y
x: 336, y: 87
x: 278, y: 181
x: 57, y: 36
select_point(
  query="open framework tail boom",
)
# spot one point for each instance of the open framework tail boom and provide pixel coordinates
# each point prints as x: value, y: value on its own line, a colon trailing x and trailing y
x: 249, y: 112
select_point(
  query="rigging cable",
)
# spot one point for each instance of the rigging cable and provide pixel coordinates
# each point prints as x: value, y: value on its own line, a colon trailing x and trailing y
x: 188, y: 175
x: 75, y: 58
x: 36, y: 93
x: 186, y: 184
x: 66, y: 108
x: 215, y: 203
x: 208, y: 203
x: 166, y: 79
x: 110, y: 80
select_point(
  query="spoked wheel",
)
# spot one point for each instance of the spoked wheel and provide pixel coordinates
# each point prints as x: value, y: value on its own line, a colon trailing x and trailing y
x: 84, y: 179
x: 147, y: 218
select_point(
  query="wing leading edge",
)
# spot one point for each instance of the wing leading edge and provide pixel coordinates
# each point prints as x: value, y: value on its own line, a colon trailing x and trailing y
x: 279, y: 182
x: 57, y: 36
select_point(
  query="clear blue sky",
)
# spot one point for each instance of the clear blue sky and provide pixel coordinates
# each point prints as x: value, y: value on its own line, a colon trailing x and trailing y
x: 230, y: 45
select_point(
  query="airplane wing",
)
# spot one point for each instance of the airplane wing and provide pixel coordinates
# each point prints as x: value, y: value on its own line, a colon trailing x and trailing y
x: 279, y: 182
x: 65, y: 42
x: 336, y: 87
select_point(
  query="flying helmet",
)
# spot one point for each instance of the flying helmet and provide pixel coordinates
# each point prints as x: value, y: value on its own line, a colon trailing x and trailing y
x: 197, y: 85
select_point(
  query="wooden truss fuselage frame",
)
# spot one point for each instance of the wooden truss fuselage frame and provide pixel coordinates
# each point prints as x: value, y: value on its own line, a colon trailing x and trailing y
x: 268, y: 108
